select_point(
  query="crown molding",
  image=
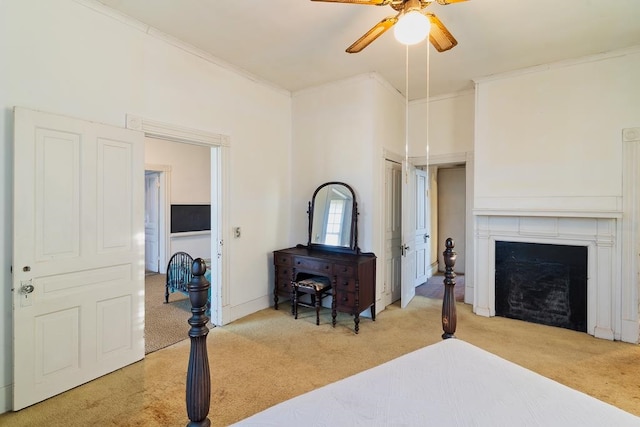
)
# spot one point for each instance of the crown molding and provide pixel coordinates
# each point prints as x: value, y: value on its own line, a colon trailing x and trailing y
x: 560, y: 64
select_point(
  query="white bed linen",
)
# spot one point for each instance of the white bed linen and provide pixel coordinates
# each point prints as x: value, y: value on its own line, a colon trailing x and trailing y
x: 451, y: 383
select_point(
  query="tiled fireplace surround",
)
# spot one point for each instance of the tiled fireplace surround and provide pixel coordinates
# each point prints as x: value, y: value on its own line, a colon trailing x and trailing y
x: 599, y: 235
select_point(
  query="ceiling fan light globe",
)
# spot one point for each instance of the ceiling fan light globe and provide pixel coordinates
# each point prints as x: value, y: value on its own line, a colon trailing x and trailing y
x: 412, y: 28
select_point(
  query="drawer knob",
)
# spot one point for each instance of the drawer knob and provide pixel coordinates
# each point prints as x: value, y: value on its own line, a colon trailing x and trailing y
x: 345, y: 299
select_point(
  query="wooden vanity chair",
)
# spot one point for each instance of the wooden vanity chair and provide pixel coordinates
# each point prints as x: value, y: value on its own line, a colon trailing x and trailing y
x: 317, y: 286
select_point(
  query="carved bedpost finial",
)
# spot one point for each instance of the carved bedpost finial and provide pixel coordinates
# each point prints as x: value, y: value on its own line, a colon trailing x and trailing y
x: 449, y: 316
x: 198, y: 378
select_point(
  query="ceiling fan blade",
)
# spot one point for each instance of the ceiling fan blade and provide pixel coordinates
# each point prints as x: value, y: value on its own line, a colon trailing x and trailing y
x: 373, y: 34
x: 370, y: 2
x: 446, y: 2
x: 439, y: 36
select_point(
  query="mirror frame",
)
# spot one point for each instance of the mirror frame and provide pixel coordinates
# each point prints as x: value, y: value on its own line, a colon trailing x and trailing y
x: 353, y: 247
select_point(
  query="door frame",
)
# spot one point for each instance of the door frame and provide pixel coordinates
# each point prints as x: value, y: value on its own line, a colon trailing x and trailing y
x: 392, y: 208
x: 220, y: 155
x: 387, y: 156
x: 465, y: 158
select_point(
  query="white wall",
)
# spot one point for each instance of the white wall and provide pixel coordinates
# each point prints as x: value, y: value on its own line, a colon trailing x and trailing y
x: 77, y: 59
x: 450, y: 125
x: 550, y: 138
x: 340, y: 131
x: 190, y: 169
x: 190, y: 185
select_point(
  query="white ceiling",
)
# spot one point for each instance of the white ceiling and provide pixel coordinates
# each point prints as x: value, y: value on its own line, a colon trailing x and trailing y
x: 295, y: 44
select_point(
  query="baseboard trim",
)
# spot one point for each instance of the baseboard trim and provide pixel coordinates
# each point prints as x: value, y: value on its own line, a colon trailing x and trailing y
x: 5, y: 398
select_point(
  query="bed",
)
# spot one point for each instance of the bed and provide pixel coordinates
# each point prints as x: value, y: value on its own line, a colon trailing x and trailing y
x: 179, y: 275
x: 451, y: 383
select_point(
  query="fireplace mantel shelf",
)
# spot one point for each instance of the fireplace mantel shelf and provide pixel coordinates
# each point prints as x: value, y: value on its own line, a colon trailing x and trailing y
x: 548, y: 213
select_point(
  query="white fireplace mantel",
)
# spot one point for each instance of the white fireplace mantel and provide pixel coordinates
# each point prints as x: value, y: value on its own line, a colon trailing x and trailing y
x: 599, y: 233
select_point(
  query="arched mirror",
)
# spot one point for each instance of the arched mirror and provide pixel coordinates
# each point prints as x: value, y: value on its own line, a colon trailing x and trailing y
x: 333, y: 217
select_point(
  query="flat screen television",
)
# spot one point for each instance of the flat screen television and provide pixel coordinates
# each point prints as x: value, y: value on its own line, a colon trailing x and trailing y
x: 186, y: 218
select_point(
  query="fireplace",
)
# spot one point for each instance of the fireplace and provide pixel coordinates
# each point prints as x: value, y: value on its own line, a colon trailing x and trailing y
x: 542, y: 283
x: 597, y: 236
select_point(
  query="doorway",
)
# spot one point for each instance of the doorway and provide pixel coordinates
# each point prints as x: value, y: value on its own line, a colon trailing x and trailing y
x: 451, y: 206
x: 152, y: 222
x: 218, y: 146
x: 187, y: 169
x: 448, y: 203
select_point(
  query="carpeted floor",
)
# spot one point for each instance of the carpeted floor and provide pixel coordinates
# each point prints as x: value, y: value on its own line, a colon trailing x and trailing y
x: 263, y: 359
x: 165, y: 324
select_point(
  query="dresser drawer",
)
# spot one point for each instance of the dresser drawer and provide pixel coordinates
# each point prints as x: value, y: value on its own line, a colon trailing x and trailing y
x: 283, y: 273
x: 344, y: 270
x: 283, y: 284
x: 323, y: 268
x: 345, y: 301
x: 282, y: 259
x: 345, y: 284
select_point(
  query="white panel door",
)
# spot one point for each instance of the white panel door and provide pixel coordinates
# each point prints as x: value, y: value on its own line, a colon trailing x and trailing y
x: 78, y: 256
x: 151, y: 221
x: 393, y: 230
x: 408, y: 234
x: 423, y: 221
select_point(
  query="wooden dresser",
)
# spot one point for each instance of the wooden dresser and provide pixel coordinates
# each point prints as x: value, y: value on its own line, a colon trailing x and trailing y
x: 352, y: 275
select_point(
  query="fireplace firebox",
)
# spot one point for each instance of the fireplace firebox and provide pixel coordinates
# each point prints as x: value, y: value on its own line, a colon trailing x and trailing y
x: 542, y: 283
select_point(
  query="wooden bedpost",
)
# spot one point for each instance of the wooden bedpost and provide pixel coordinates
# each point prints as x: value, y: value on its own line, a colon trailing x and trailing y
x: 198, y: 378
x: 449, y: 317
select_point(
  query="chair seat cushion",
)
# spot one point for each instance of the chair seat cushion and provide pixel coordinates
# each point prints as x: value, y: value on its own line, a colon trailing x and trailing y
x: 317, y: 283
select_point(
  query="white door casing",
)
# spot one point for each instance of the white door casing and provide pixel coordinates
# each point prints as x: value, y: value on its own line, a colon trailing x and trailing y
x: 408, y: 234
x: 422, y: 228
x: 220, y: 155
x: 151, y: 221
x: 393, y: 230
x: 78, y: 256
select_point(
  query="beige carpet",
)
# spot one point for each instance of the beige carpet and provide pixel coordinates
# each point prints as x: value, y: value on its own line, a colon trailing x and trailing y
x: 268, y: 357
x: 165, y: 324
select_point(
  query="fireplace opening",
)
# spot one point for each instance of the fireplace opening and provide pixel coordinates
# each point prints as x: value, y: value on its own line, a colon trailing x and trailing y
x: 542, y: 283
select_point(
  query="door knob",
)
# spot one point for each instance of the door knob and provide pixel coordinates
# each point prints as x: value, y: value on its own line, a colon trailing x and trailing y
x: 26, y: 288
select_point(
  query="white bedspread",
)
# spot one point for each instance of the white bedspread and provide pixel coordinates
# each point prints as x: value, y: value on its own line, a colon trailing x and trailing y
x: 451, y: 383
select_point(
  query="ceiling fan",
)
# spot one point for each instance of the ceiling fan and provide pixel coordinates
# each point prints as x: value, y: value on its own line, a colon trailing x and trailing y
x: 439, y: 36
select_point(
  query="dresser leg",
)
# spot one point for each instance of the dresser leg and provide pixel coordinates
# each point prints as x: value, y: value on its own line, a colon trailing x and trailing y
x: 333, y: 302
x: 356, y: 320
